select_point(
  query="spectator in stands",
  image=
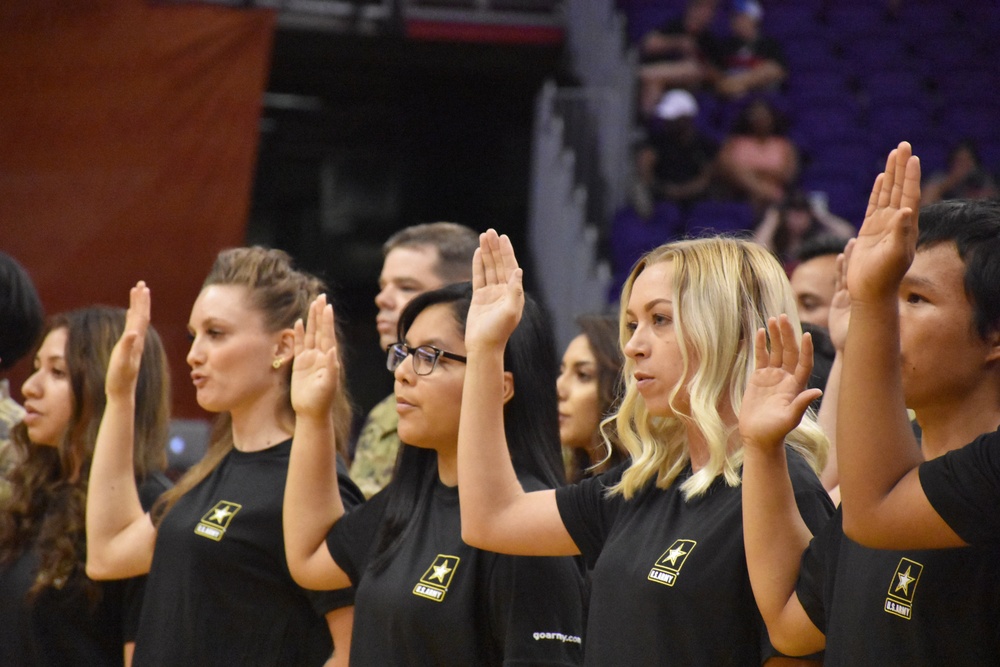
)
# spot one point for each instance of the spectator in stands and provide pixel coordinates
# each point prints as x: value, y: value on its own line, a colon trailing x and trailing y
x: 676, y: 162
x: 51, y: 613
x: 679, y: 54
x: 21, y: 321
x: 748, y: 60
x: 785, y: 228
x: 966, y: 177
x: 589, y: 390
x: 814, y: 278
x: 417, y: 259
x: 758, y: 160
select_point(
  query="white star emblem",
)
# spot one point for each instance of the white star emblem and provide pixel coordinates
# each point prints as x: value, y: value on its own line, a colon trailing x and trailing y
x: 904, y: 581
x: 674, y: 554
x: 220, y: 513
x: 440, y: 571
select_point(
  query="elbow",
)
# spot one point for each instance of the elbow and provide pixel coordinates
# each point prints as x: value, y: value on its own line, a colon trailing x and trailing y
x: 98, y: 569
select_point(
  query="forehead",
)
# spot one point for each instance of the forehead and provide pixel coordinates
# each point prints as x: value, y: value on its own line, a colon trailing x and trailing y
x: 579, y: 350
x: 939, y: 267
x: 224, y: 302
x: 655, y: 282
x: 411, y: 263
x: 54, y: 344
x: 822, y: 268
x: 436, y: 325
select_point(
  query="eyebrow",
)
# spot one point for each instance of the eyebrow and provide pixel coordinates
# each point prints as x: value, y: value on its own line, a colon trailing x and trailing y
x: 918, y: 281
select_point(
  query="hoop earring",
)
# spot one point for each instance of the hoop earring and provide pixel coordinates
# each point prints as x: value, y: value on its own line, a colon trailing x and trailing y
x: 276, y: 364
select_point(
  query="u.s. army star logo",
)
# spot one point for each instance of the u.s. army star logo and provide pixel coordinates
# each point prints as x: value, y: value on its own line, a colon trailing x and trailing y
x: 669, y: 565
x: 903, y: 587
x: 213, y: 525
x: 434, y: 584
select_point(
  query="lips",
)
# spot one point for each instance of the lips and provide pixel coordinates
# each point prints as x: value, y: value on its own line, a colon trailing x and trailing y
x: 385, y: 326
x: 31, y: 415
x: 642, y: 380
x: 198, y: 379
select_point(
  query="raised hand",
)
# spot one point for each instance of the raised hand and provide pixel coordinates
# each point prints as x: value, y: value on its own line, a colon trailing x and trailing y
x: 776, y: 396
x: 840, y: 304
x: 887, y: 240
x: 316, y: 368
x: 497, y: 293
x: 126, y: 357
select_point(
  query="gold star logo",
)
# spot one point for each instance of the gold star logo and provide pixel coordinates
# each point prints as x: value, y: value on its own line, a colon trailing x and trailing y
x: 904, y: 581
x: 440, y: 571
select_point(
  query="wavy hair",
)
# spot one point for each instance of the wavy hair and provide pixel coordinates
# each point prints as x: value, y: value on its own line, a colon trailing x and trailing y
x: 724, y: 290
x: 282, y: 294
x: 49, y: 487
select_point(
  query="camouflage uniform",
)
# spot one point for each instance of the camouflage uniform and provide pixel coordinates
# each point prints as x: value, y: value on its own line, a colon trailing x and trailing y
x: 375, y: 454
x: 10, y: 415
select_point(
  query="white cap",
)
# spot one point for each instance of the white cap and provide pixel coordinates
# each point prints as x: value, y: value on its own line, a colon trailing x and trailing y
x: 676, y: 104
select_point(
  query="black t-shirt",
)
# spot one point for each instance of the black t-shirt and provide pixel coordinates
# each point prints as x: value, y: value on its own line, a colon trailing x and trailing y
x: 669, y: 582
x: 441, y: 602
x: 678, y: 162
x: 219, y: 591
x: 708, y: 43
x: 65, y: 626
x: 963, y: 486
x: 918, y: 607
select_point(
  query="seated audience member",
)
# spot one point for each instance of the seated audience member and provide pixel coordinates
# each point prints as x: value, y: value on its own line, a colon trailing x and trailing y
x: 785, y: 228
x: 905, y: 599
x: 966, y: 177
x: 676, y: 162
x: 678, y: 54
x: 748, y: 60
x: 589, y: 390
x: 757, y: 159
x: 814, y: 277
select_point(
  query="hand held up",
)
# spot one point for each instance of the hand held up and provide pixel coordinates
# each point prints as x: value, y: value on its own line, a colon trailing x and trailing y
x: 126, y: 357
x: 316, y: 367
x: 497, y: 293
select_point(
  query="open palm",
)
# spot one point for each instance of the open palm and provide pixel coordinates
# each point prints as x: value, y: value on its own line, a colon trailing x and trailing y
x: 776, y: 396
x: 497, y: 293
x: 126, y: 357
x: 316, y: 368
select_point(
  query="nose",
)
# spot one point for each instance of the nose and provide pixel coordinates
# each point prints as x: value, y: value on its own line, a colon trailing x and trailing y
x: 404, y: 373
x: 636, y: 346
x: 32, y: 387
x: 384, y: 298
x: 561, y: 381
x: 195, y: 355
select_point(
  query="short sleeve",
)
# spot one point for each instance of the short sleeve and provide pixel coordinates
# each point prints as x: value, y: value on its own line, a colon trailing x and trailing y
x: 813, y: 501
x: 817, y: 572
x: 589, y: 513
x: 351, y: 539
x: 536, y: 610
x: 963, y: 486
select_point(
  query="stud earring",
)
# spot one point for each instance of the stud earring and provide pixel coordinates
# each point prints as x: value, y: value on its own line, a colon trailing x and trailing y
x: 276, y: 364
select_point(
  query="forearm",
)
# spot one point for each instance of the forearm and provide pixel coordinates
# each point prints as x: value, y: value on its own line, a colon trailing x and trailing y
x: 775, y: 537
x: 488, y: 483
x: 876, y: 445
x: 113, y: 505
x: 827, y: 419
x: 312, y: 502
x: 341, y: 624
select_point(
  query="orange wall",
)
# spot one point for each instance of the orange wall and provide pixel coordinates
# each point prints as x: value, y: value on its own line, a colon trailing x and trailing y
x: 128, y: 133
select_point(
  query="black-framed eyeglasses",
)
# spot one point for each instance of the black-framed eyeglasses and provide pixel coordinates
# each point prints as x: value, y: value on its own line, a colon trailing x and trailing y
x: 425, y: 357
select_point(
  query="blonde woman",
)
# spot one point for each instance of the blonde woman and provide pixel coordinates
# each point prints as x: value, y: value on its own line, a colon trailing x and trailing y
x: 662, y: 531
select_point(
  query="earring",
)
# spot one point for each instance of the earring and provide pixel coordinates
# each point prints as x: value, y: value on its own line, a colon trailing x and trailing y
x: 276, y: 364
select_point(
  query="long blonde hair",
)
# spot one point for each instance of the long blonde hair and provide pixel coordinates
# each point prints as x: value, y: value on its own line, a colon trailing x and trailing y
x: 282, y: 294
x: 724, y: 290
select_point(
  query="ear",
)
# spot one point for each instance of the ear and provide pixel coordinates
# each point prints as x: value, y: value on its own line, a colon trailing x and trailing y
x: 284, y: 347
x: 993, y: 346
x: 508, y: 386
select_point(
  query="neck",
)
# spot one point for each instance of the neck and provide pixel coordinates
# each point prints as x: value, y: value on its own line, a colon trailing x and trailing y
x: 261, y: 424
x: 948, y: 427
x: 448, y: 466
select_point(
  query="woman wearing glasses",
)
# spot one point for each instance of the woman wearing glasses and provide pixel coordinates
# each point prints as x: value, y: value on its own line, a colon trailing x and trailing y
x: 424, y: 596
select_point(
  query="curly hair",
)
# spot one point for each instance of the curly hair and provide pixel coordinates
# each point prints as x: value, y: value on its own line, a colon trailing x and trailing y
x: 282, y: 294
x: 724, y: 290
x: 45, y: 510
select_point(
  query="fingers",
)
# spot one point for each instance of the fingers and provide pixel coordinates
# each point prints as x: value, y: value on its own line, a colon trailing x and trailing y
x: 804, y: 365
x: 489, y: 244
x: 478, y: 270
x: 328, y: 330
x: 507, y: 258
x: 910, y: 190
x: 903, y: 153
x: 873, y: 198
x: 300, y: 337
x: 139, y: 302
x: 760, y: 353
x: 777, y: 350
x: 885, y: 191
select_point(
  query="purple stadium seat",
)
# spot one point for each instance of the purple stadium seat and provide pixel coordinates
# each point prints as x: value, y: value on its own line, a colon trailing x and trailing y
x: 815, y: 128
x: 631, y: 236
x: 981, y: 123
x: 852, y: 21
x: 792, y: 20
